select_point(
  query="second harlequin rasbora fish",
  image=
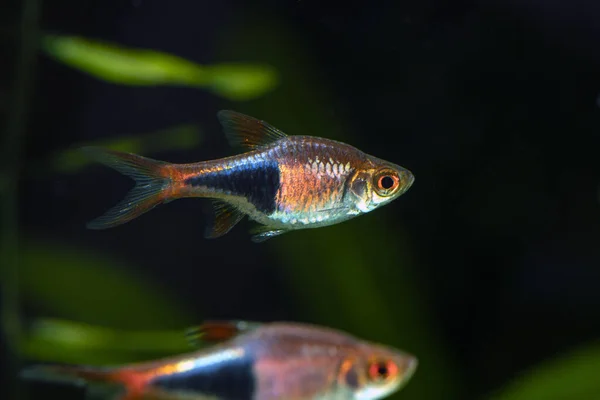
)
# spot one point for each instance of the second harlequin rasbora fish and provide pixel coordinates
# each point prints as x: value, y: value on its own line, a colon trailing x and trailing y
x: 282, y: 182
x: 284, y: 361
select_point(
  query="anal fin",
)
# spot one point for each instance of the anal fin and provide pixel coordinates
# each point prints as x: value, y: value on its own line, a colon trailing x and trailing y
x: 226, y: 216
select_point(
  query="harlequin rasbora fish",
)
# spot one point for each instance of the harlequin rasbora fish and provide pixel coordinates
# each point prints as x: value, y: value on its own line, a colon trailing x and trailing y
x: 253, y: 361
x: 282, y: 182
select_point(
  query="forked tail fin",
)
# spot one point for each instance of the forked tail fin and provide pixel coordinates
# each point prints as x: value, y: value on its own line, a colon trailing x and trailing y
x: 152, y: 179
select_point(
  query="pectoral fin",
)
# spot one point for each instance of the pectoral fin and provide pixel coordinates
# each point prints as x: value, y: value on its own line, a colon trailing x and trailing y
x: 217, y: 331
x: 336, y: 209
x: 262, y: 233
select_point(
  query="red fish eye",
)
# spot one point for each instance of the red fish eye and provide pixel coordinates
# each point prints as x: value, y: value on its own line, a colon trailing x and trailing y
x: 382, y: 370
x: 387, y: 182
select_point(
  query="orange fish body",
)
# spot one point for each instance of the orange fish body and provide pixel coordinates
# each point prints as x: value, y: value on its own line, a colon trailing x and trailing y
x: 257, y: 362
x: 283, y: 182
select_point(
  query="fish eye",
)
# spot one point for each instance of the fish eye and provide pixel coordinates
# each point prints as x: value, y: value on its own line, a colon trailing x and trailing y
x: 386, y: 182
x: 382, y: 370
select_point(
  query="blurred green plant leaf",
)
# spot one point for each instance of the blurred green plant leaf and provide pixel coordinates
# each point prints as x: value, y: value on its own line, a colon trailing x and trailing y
x: 240, y: 81
x: 175, y: 138
x: 84, y: 286
x: 142, y: 67
x: 572, y: 376
x: 74, y: 342
x: 121, y: 65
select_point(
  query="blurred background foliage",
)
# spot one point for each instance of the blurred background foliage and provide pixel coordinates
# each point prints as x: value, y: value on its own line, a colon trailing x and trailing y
x: 174, y: 138
x: 487, y: 269
x: 570, y: 376
x: 147, y: 67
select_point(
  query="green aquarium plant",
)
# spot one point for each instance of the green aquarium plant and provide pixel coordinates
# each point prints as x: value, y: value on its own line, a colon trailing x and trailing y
x: 145, y: 67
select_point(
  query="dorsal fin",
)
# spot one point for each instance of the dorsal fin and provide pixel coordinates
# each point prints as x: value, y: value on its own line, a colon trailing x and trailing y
x: 244, y: 131
x: 217, y: 331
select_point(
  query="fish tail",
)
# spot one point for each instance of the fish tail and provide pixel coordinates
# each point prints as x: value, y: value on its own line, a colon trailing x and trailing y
x: 153, y: 181
x: 109, y: 384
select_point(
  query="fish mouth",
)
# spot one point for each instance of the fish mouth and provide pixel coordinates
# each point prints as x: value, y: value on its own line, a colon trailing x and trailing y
x: 409, y: 179
x: 411, y: 367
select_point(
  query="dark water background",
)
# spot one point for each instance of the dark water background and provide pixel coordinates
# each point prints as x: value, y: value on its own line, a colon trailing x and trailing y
x: 493, y: 106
